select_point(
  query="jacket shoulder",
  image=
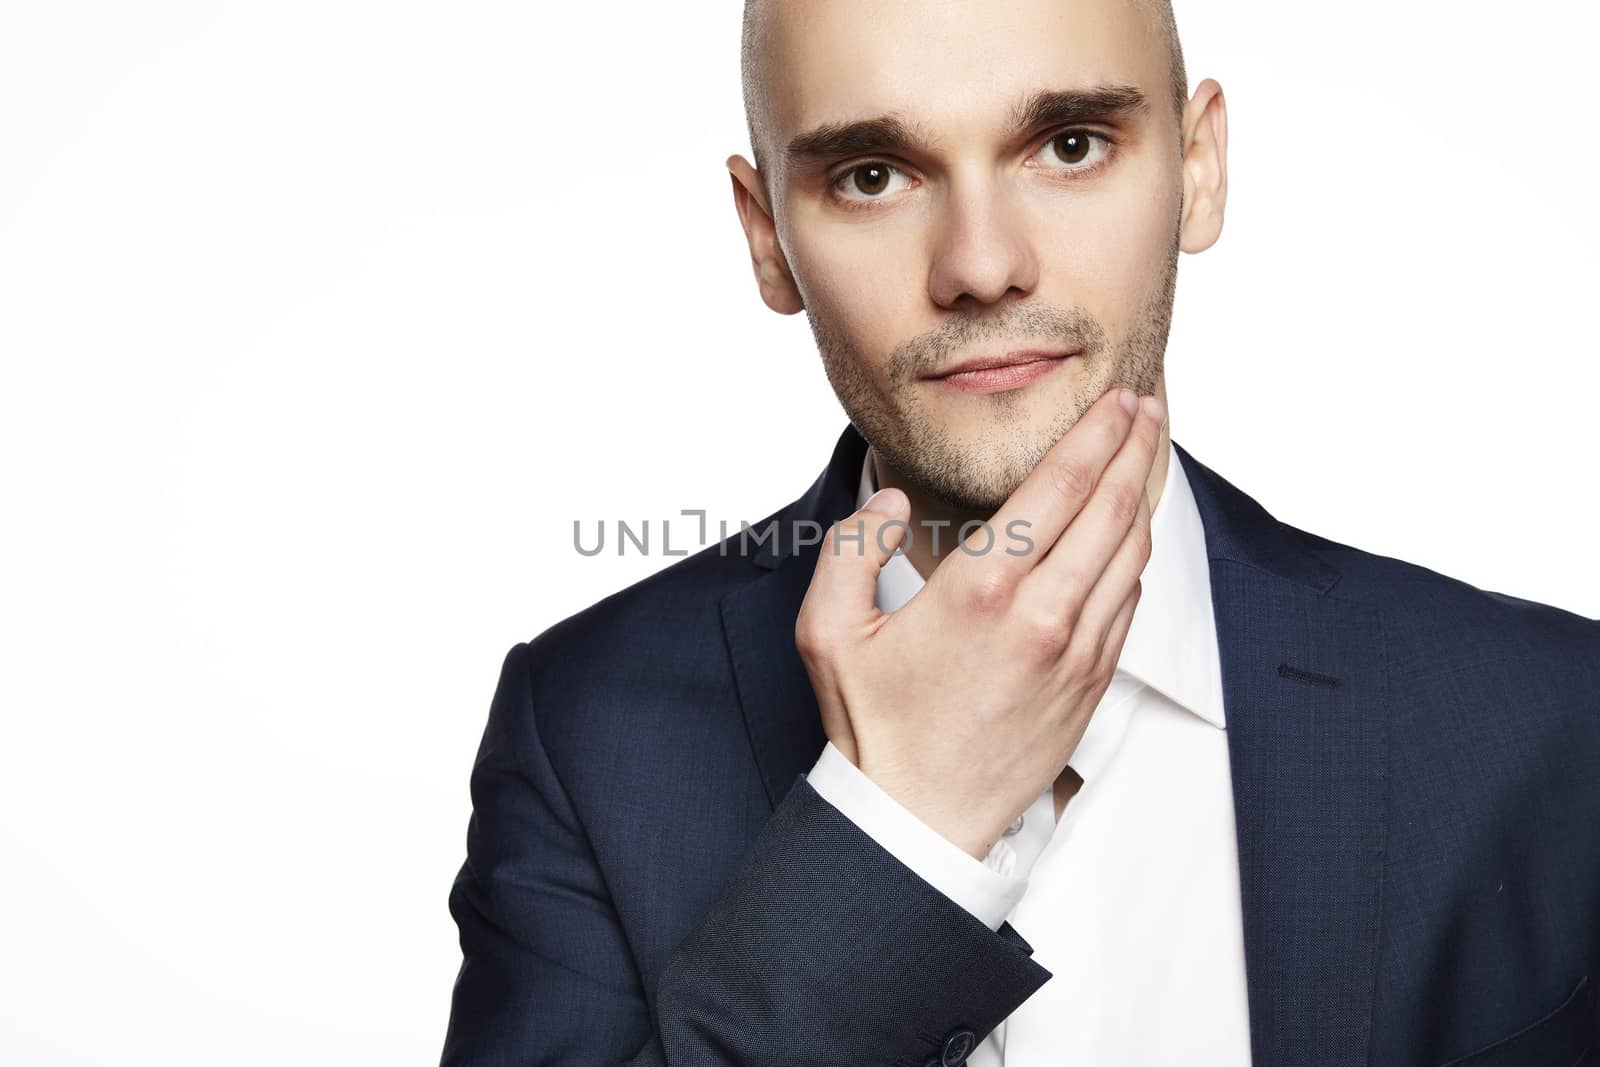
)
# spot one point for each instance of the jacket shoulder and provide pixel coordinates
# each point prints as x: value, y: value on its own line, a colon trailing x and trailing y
x: 661, y: 612
x: 1451, y: 621
x: 641, y: 668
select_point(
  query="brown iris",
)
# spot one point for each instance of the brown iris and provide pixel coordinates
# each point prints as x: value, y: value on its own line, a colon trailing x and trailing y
x: 871, y: 178
x: 1071, y: 147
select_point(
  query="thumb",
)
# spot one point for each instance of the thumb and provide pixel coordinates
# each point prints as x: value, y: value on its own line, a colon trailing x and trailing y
x: 854, y: 551
x: 839, y: 604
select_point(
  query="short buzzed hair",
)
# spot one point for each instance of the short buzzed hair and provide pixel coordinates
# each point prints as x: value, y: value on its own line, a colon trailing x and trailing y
x: 751, y: 60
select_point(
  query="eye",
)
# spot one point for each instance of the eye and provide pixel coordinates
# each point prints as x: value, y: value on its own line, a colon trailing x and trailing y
x: 867, y: 181
x: 1069, y: 149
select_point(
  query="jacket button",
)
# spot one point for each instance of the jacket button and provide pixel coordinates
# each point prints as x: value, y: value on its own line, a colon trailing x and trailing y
x: 956, y: 1047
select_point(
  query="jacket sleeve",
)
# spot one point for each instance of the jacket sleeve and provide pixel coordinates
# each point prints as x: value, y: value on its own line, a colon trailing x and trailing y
x: 985, y: 887
x: 823, y: 948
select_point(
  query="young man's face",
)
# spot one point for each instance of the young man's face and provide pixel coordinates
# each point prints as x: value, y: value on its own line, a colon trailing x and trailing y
x: 976, y: 237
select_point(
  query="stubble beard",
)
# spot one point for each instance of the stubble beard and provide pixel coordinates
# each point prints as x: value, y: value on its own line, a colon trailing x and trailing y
x: 978, y: 477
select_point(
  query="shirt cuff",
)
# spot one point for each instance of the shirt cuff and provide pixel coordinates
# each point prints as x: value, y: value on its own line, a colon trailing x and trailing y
x: 985, y: 888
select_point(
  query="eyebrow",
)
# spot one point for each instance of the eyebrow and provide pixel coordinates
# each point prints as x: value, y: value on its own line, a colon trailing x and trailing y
x: 890, y: 133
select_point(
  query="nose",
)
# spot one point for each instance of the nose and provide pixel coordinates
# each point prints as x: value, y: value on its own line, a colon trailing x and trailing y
x: 982, y: 249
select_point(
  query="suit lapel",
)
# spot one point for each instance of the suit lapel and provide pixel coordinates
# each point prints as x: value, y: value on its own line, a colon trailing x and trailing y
x: 758, y: 619
x: 1305, y: 693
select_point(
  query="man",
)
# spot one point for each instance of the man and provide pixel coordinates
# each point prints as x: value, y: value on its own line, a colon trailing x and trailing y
x: 1121, y: 769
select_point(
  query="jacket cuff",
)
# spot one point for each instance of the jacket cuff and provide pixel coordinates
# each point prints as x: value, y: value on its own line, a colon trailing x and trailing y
x: 983, y: 887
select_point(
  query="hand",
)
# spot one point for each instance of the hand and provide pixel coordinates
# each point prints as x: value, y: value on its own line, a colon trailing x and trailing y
x: 967, y: 702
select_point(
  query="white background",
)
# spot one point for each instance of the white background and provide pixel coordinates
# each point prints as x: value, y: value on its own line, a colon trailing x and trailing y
x: 321, y: 322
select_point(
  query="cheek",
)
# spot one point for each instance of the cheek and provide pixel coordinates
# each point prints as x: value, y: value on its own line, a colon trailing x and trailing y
x: 1113, y: 247
x: 859, y: 286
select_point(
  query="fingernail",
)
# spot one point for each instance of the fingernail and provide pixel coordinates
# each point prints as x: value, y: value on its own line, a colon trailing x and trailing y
x: 1156, y: 409
x: 1129, y: 400
x: 879, y: 502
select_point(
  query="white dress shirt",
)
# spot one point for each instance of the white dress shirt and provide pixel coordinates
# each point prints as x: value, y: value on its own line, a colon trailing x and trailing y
x: 1132, y: 899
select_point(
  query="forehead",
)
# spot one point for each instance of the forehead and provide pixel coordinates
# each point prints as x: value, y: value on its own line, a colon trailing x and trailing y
x: 958, y: 66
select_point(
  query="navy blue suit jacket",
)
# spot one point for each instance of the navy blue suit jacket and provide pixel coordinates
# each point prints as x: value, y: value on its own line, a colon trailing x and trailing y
x: 1416, y: 778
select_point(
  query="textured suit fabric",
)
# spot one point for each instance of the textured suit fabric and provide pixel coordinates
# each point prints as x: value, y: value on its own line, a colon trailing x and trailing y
x: 650, y: 880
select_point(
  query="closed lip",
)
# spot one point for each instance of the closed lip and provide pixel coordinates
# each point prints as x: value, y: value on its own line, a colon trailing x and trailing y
x: 1009, y: 359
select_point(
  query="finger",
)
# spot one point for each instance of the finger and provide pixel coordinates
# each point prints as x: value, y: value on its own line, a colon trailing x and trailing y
x: 841, y: 598
x: 1058, y: 486
x: 1073, y: 565
x: 1117, y: 634
x: 840, y: 604
x: 1103, y: 607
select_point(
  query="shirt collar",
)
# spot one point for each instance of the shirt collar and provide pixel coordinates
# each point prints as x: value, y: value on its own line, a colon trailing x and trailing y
x: 1172, y: 642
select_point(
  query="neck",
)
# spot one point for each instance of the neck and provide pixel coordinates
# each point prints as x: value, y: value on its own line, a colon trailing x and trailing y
x: 927, y: 511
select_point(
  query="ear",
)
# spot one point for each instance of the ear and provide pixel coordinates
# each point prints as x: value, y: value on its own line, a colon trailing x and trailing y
x: 1205, y: 167
x: 766, y: 257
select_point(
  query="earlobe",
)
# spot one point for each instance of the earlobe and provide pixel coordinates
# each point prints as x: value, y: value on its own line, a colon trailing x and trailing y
x: 778, y: 288
x: 773, y: 276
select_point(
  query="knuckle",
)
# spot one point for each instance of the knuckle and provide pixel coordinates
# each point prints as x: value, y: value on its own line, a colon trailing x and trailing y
x: 1082, y: 660
x: 810, y: 639
x: 1123, y: 500
x: 1071, y: 478
x: 1142, y: 541
x: 1049, y: 635
x: 1106, y: 666
x: 989, y: 592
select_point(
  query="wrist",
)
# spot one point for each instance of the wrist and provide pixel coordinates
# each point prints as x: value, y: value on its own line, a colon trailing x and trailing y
x: 967, y: 826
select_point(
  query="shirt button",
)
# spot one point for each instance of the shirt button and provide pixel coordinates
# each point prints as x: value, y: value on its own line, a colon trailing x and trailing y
x: 1014, y: 828
x: 956, y: 1048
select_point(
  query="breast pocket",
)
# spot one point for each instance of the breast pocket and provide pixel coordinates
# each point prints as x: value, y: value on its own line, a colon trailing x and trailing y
x: 1559, y: 1039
